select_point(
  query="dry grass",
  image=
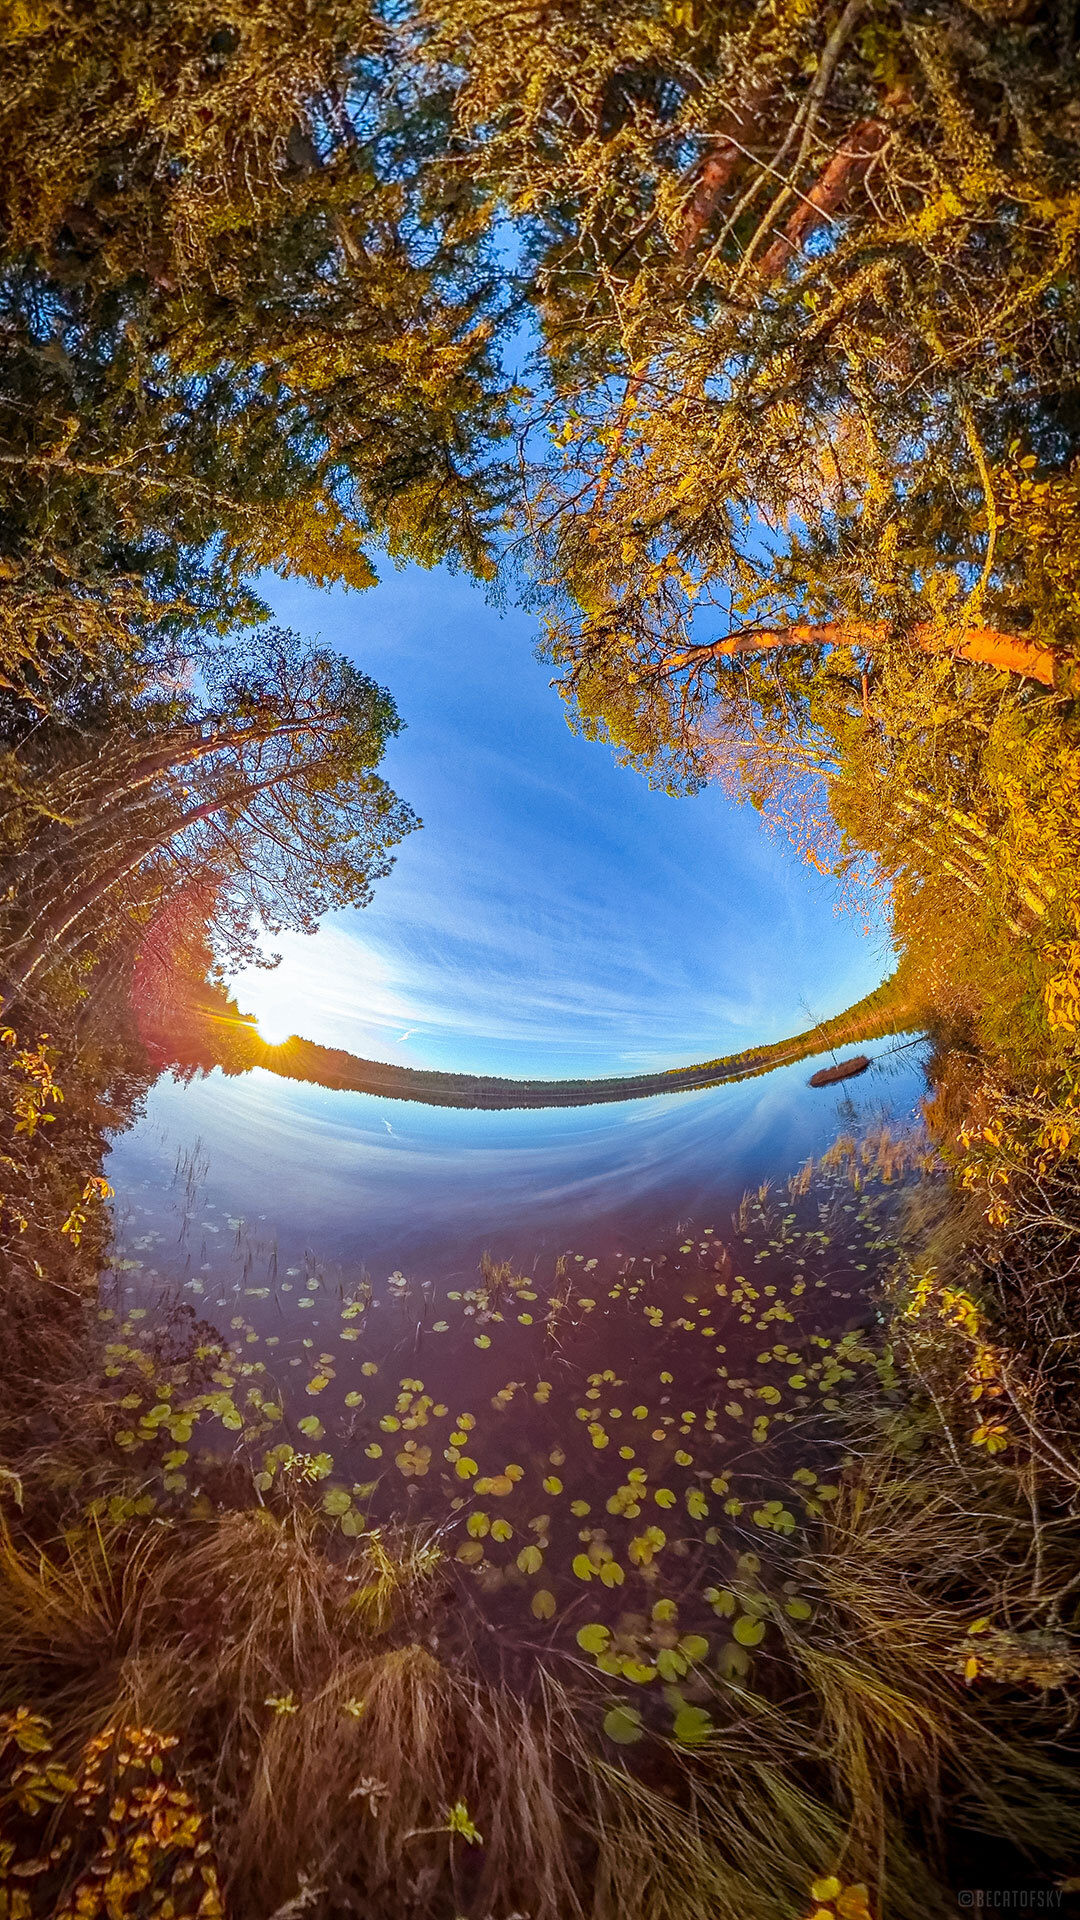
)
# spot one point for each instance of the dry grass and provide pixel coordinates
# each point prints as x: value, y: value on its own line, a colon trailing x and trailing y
x: 327, y: 1734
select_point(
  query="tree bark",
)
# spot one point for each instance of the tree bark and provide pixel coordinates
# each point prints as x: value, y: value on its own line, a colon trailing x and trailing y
x: 848, y: 166
x: 985, y: 646
x: 56, y: 923
x: 717, y: 168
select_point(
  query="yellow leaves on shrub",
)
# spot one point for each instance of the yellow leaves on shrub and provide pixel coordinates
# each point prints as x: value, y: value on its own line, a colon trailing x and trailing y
x: 842, y: 1902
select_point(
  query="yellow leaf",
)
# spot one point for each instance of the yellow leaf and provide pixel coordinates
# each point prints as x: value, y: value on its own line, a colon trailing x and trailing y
x: 826, y: 1889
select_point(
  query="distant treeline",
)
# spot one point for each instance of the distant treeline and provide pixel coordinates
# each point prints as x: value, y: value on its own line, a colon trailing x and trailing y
x: 210, y: 1031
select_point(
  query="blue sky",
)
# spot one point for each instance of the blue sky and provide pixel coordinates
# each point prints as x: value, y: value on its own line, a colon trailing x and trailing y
x: 555, y: 916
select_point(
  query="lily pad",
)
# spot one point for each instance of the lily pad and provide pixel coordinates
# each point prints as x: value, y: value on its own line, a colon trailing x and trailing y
x: 623, y: 1725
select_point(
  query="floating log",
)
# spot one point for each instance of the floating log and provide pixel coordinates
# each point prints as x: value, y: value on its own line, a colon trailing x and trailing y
x: 844, y: 1070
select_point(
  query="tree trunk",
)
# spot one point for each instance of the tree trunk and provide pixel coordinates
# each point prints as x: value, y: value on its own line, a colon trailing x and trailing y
x: 53, y: 926
x: 718, y: 166
x: 848, y: 166
x: 985, y: 646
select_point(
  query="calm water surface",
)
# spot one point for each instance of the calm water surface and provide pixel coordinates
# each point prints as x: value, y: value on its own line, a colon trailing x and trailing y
x: 350, y: 1181
x: 625, y: 1420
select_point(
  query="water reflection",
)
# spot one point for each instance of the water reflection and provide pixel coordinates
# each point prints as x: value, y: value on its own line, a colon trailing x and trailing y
x: 356, y: 1180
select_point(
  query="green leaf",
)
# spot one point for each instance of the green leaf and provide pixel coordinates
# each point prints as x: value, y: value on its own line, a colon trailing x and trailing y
x: 748, y: 1631
x: 623, y: 1725
x: 692, y: 1726
x: 693, y: 1646
x: 594, y: 1638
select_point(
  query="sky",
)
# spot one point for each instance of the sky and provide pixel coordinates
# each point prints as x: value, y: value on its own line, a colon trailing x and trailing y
x: 555, y: 917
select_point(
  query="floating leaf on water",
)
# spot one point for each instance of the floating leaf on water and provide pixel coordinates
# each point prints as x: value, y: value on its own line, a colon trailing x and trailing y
x: 465, y: 1468
x: 337, y: 1501
x: 594, y: 1638
x: 612, y: 1574
x: 696, y: 1504
x: 470, y: 1552
x: 352, y: 1524
x: 478, y: 1524
x: 748, y: 1631
x: 500, y: 1485
x: 312, y: 1426
x: 693, y: 1646
x: 670, y: 1664
x: 579, y: 1508
x: 734, y: 1662
x: 543, y: 1604
x: 664, y: 1497
x: 798, y: 1609
x: 644, y: 1547
x: 623, y: 1725
x: 530, y: 1559
x: 553, y: 1484
x: 582, y: 1566
x: 692, y: 1726
x: 354, y: 1399
x: 637, y: 1672
x: 665, y: 1611
x: 501, y: 1530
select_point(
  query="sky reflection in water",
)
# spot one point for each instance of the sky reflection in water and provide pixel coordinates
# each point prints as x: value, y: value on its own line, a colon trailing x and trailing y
x: 359, y: 1180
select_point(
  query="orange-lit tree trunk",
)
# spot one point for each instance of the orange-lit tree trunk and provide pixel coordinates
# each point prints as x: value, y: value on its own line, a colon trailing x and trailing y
x: 847, y: 167
x: 718, y: 166
x: 984, y: 646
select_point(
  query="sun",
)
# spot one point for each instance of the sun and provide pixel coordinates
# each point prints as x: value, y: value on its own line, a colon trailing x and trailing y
x: 274, y: 1031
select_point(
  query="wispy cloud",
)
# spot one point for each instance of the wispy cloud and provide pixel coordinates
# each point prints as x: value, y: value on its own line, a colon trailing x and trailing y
x: 555, y: 916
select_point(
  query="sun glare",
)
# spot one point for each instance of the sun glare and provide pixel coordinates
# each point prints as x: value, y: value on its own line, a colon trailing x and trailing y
x: 273, y: 1028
